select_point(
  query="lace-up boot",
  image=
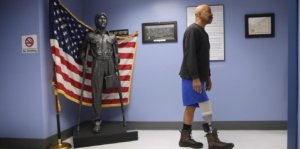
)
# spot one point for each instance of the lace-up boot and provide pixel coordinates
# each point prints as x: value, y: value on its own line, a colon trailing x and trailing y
x: 187, y: 141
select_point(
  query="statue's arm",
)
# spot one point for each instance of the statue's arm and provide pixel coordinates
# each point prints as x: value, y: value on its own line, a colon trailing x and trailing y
x: 116, y: 52
x: 84, y: 47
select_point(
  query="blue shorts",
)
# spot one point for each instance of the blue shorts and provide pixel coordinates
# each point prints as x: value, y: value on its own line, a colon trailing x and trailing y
x: 189, y: 96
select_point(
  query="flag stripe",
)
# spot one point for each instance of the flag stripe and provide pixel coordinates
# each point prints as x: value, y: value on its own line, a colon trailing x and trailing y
x: 66, y: 79
x: 107, y: 94
x: 126, y: 55
x: 127, y: 45
x: 87, y: 101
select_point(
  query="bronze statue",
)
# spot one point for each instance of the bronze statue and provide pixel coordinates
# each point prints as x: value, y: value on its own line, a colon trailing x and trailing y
x: 104, y: 50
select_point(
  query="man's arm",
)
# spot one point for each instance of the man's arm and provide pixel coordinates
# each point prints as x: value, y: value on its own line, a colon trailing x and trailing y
x: 192, y: 62
x: 191, y: 54
x: 208, y: 84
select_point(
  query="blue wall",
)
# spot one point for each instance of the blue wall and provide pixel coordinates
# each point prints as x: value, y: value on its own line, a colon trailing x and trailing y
x: 298, y: 145
x: 293, y: 94
x: 298, y: 77
x: 245, y: 81
x: 27, y: 108
x: 21, y: 108
x: 250, y: 85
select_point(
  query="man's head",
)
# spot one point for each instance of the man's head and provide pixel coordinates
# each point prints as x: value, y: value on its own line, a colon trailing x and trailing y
x: 101, y: 20
x: 203, y: 14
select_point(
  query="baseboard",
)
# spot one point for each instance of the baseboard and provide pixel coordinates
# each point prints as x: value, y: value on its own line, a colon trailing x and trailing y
x: 221, y: 125
x: 19, y: 143
x: 22, y: 143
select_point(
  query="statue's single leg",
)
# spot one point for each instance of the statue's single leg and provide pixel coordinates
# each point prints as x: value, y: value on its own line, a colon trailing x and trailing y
x: 97, y: 85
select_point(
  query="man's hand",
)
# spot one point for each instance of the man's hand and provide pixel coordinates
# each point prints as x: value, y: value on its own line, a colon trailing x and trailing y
x: 197, y: 85
x: 208, y: 84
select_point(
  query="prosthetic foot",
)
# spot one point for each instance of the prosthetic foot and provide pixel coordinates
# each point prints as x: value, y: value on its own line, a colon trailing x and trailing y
x: 213, y: 139
x: 187, y: 141
x: 97, y: 126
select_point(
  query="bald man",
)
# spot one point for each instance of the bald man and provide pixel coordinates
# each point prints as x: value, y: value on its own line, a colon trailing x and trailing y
x: 195, y: 74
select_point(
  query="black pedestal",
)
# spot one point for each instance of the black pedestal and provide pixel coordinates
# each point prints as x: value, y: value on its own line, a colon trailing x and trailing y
x: 111, y: 132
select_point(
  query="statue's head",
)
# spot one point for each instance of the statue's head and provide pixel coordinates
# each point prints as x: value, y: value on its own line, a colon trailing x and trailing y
x: 101, y: 20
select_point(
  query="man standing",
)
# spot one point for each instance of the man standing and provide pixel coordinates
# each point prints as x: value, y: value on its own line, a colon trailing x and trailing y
x: 195, y: 74
x: 103, y: 47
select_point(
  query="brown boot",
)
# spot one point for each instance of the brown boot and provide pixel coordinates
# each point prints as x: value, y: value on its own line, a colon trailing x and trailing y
x: 187, y: 141
x: 215, y: 143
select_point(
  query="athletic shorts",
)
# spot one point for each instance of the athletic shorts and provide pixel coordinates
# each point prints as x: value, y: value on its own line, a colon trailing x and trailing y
x: 189, y: 96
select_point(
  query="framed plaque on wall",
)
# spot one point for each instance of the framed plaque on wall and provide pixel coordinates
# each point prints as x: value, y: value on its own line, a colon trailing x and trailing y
x: 259, y: 25
x: 215, y: 31
x: 159, y: 32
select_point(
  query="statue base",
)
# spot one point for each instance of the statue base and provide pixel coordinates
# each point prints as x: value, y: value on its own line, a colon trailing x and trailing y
x: 111, y: 132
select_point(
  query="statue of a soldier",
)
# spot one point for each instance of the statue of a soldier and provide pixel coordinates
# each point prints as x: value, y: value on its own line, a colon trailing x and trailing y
x: 103, y: 47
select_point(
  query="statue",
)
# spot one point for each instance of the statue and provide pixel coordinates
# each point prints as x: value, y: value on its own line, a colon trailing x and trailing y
x: 104, y: 50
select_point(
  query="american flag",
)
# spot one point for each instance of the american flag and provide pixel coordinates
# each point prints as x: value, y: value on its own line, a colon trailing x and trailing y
x: 66, y: 36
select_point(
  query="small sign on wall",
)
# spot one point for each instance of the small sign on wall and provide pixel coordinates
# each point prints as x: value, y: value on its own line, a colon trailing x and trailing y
x: 120, y: 32
x: 29, y: 44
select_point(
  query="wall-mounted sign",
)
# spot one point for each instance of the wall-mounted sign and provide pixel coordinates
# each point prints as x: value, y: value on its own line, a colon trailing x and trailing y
x: 121, y: 32
x: 215, y: 31
x: 159, y: 32
x: 29, y: 44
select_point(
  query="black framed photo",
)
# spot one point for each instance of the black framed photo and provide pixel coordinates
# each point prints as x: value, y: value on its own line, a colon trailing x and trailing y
x: 159, y: 32
x: 259, y: 25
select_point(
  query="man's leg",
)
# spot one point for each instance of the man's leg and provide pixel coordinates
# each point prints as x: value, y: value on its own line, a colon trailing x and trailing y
x: 188, y: 116
x: 185, y: 138
x: 211, y: 134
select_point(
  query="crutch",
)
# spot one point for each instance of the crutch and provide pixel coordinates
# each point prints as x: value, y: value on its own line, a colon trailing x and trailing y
x: 84, y: 69
x: 120, y: 94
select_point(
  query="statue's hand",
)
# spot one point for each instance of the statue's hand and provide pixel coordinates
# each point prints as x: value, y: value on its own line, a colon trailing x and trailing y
x: 117, y: 60
x: 82, y: 57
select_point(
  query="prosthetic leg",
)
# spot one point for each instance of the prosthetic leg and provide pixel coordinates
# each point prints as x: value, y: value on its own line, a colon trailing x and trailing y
x: 211, y: 134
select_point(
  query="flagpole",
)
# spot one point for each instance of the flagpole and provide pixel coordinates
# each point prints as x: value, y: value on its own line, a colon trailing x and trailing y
x: 60, y: 144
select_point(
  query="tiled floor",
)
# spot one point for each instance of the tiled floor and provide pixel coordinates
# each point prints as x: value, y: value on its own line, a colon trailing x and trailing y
x: 168, y: 139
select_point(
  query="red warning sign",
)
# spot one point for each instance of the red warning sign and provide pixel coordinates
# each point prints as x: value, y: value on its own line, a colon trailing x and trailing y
x: 29, y: 42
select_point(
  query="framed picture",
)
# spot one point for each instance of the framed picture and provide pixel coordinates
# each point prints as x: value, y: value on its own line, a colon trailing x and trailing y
x: 159, y: 32
x: 259, y: 25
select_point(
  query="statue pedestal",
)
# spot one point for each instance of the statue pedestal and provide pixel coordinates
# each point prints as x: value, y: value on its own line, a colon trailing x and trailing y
x: 111, y: 132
